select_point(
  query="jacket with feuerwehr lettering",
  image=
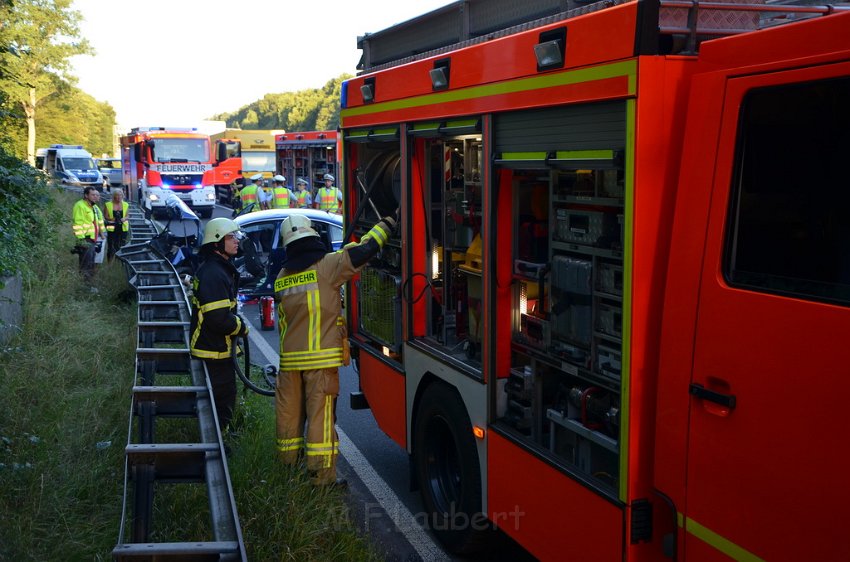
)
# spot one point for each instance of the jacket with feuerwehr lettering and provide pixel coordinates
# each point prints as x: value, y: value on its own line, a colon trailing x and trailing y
x: 311, y: 326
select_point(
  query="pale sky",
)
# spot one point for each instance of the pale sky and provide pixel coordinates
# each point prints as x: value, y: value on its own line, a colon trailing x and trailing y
x: 176, y: 62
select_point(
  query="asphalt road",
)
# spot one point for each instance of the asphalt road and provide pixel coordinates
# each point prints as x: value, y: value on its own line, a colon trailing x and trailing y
x: 380, y: 500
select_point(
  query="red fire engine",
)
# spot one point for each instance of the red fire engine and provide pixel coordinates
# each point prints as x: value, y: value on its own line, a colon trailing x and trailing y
x: 157, y: 161
x: 308, y: 155
x: 612, y: 323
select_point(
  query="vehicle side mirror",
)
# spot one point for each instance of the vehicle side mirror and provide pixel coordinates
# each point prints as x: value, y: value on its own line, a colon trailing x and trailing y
x: 137, y: 151
x: 221, y: 152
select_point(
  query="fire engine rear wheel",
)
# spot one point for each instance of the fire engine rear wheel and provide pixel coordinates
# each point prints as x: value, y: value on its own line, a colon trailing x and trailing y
x: 446, y: 462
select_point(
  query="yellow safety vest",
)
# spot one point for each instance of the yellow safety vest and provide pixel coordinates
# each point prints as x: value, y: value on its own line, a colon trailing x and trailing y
x: 302, y: 198
x: 328, y: 200
x: 248, y: 195
x: 88, y: 220
x: 110, y: 227
x: 281, y: 198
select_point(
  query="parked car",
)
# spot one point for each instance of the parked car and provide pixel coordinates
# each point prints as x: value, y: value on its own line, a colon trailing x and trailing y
x: 263, y: 251
x: 111, y: 170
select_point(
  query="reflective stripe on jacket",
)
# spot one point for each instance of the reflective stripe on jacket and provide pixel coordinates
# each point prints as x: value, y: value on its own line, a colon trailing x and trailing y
x: 88, y: 220
x: 311, y: 326
x: 214, y: 320
x: 110, y: 220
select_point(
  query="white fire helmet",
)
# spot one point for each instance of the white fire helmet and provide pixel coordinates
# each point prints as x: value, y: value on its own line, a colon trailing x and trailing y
x: 218, y: 228
x: 296, y: 227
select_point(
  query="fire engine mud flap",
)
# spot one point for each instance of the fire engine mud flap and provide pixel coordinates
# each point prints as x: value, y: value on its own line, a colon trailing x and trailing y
x: 446, y: 467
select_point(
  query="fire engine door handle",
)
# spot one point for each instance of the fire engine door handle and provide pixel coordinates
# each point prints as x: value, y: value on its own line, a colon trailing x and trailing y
x: 726, y: 400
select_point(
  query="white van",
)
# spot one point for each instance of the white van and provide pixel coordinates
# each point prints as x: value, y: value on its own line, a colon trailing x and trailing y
x: 72, y: 165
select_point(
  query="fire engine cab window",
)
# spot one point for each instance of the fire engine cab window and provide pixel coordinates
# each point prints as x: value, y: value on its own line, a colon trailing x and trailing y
x: 790, y: 216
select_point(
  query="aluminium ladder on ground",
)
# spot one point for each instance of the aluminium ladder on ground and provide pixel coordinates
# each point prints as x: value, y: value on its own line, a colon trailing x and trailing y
x: 162, y: 351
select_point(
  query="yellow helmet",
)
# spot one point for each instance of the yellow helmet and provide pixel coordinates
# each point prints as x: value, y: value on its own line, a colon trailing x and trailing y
x: 296, y: 227
x: 218, y: 228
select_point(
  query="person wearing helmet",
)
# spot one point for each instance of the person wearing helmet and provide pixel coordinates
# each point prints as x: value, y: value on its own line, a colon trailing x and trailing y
x: 254, y: 193
x: 304, y: 197
x: 329, y: 198
x: 282, y: 197
x: 314, y: 341
x: 214, y: 321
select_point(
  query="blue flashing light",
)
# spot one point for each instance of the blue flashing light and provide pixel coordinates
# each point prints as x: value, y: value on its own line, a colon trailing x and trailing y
x: 198, y: 186
x: 166, y: 186
x: 343, y: 95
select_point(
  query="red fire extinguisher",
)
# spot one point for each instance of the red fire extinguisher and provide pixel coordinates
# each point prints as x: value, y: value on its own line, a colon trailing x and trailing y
x: 267, y: 313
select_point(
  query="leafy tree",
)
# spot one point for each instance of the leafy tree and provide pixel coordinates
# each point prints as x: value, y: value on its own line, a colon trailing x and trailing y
x: 39, y: 37
x: 315, y: 109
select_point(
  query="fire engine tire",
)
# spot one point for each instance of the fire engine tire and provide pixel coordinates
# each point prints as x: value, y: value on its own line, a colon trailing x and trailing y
x: 205, y: 213
x: 445, y: 459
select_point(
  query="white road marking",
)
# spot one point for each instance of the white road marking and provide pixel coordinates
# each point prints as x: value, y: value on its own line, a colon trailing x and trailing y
x: 403, y: 519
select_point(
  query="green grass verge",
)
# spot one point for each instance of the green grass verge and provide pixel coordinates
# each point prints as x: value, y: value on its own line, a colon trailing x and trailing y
x: 67, y: 380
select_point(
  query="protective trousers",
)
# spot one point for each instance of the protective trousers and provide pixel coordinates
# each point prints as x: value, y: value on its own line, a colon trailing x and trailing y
x: 222, y: 375
x: 308, y: 396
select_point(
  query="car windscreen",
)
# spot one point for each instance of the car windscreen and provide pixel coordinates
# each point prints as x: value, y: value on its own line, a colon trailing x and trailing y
x: 78, y: 163
x: 181, y: 150
x: 258, y: 161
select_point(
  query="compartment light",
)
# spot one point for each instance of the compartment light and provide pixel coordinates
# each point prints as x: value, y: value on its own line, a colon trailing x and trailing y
x: 478, y: 431
x: 523, y: 298
x: 435, y: 262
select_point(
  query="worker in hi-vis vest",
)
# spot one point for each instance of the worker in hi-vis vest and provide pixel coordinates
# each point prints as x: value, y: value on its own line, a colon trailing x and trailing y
x: 282, y: 197
x: 329, y: 198
x: 304, y: 197
x: 115, y: 212
x: 314, y: 341
x: 88, y: 229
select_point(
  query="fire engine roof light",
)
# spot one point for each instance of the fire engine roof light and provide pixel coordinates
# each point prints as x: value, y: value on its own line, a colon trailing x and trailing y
x: 548, y: 54
x: 439, y: 80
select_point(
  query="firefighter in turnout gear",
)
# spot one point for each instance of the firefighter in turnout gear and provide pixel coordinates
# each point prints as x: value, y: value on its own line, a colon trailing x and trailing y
x: 329, y: 198
x: 282, y: 197
x: 314, y: 341
x: 214, y: 320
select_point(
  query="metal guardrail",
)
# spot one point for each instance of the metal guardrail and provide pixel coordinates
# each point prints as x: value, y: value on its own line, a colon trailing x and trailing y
x: 162, y: 351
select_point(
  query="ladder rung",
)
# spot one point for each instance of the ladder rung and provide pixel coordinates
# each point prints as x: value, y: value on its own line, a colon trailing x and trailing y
x: 174, y: 550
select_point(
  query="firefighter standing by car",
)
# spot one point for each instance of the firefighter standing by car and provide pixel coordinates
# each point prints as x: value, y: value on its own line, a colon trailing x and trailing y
x: 117, y: 222
x: 214, y: 322
x: 304, y: 197
x: 314, y: 342
x: 88, y: 228
x: 282, y: 197
x: 329, y: 198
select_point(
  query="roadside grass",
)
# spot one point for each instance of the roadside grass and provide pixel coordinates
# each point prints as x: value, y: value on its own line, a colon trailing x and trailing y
x: 64, y: 417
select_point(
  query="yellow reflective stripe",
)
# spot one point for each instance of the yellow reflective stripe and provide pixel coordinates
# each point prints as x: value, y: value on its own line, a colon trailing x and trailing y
x: 293, y: 444
x: 216, y: 305
x: 238, y: 327
x: 283, y: 326
x: 296, y: 280
x: 379, y: 233
x: 315, y: 310
x: 204, y: 354
x: 722, y: 544
x: 329, y: 426
x: 314, y: 353
x: 306, y: 365
x: 340, y: 321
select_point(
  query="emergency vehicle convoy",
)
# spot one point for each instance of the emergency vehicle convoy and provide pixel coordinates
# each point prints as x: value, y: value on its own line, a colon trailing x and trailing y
x: 158, y: 160
x: 614, y: 321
